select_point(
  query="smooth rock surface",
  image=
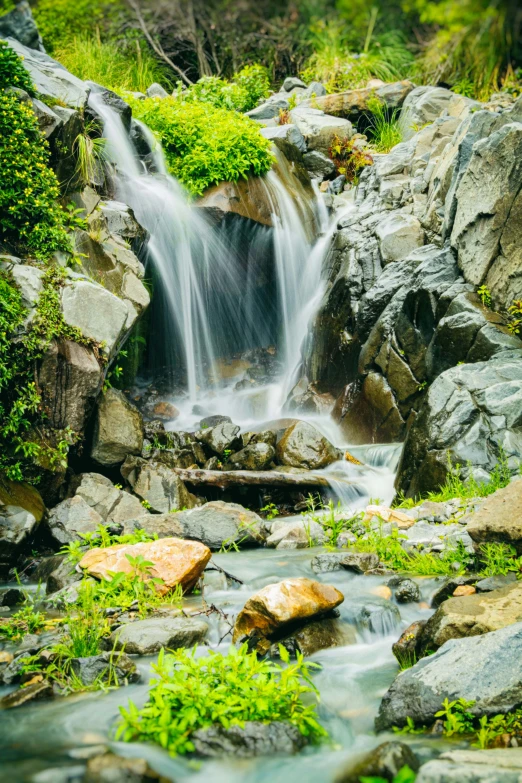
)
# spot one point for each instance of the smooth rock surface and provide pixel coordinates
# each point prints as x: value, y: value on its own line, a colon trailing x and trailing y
x: 499, y: 519
x: 70, y: 519
x: 145, y: 637
x: 474, y: 766
x: 254, y: 739
x: 302, y: 446
x: 118, y: 430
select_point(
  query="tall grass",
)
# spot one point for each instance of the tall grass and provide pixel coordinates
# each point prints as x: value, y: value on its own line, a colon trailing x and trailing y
x: 131, y: 68
x: 384, y: 129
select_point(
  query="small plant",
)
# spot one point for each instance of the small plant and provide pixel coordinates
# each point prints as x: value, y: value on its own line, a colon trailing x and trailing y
x: 348, y: 158
x: 270, y: 510
x: 515, y: 312
x: 485, y: 295
x: 25, y: 621
x: 384, y: 128
x: 456, y: 716
x: 284, y: 117
x: 404, y: 775
x: 192, y: 693
x: 90, y: 151
x: 102, y: 538
x: 499, y: 559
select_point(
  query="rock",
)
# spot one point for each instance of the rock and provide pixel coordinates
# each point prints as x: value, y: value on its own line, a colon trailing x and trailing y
x: 118, y: 430
x: 213, y: 421
x: 495, y: 582
x: 20, y: 25
x: 98, y: 667
x: 111, y: 99
x: 109, y: 768
x: 277, y: 605
x: 62, y: 576
x: 351, y: 104
x: 288, y: 133
x: 253, y: 739
x: 320, y: 129
x: 156, y: 91
x: 145, y: 637
x: 435, y: 538
x: 270, y: 109
x: 399, y: 235
x: 360, y: 562
x: 69, y: 378
x: 12, y: 597
x: 320, y: 635
x: 158, y: 485
x: 472, y: 615
x: 291, y: 82
x: 28, y: 280
x: 376, y: 614
x: 468, y: 412
x: 175, y: 561
x: 424, y: 104
x: 407, y: 648
x: 499, y: 518
x: 407, y: 592
x: 98, y: 313
x: 319, y: 165
x: 114, y: 505
x: 448, y: 588
x: 51, y: 78
x: 372, y: 414
x: 217, y: 523
x: 38, y: 690
x: 165, y: 411
x: 222, y: 437
x: 17, y: 527
x: 256, y: 456
x: 398, y: 518
x: 295, y: 534
x: 475, y: 766
x: 463, y: 590
x: 493, y: 681
x: 384, y: 762
x: 302, y: 446
x: 70, y: 519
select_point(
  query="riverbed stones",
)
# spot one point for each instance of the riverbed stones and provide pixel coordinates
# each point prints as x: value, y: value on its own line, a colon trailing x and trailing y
x: 105, y: 666
x: 70, y: 520
x: 252, y: 739
x: 277, y: 605
x: 472, y: 615
x: 385, y: 761
x: 499, y: 519
x: 118, y: 430
x: 303, y: 446
x: 37, y: 690
x: 145, y: 637
x: 474, y: 766
x: 174, y: 561
x: 485, y: 669
x: 255, y: 456
x: 320, y: 635
x: 407, y: 592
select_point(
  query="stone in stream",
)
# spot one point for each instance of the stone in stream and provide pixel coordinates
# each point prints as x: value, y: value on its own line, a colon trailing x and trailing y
x: 174, y: 561
x: 295, y: 534
x: 106, y: 667
x: 62, y: 576
x: 255, y: 456
x: 109, y: 768
x: 448, y: 588
x: 495, y: 582
x: 302, y: 446
x: 407, y: 592
x: 499, y: 518
x: 385, y: 761
x: 359, y: 562
x: 319, y: 635
x: 407, y: 647
x: 253, y: 739
x: 220, y: 438
x: 37, y: 690
x: 294, y: 600
x: 145, y: 637
x: 474, y: 766
x: 484, y: 669
x: 472, y: 615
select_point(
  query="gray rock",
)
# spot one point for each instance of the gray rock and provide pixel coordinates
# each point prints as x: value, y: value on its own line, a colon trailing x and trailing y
x: 222, y: 437
x: 360, y: 562
x: 25, y: 695
x: 319, y: 129
x: 289, y: 133
x: 493, y: 681
x: 158, y: 485
x: 98, y: 313
x: 114, y: 505
x: 399, y: 235
x: 63, y: 575
x: 97, y: 667
x: 302, y: 446
x: 72, y: 773
x: 217, y: 523
x: 253, y: 739
x: 407, y: 648
x: 407, y: 592
x: 145, y: 637
x: 118, y: 430
x: 448, y: 588
x: 156, y: 91
x: 318, y: 165
x: 295, y: 534
x: 270, y: 109
x: 385, y: 761
x: 109, y: 768
x: 20, y: 25
x: 70, y: 519
x: 474, y: 766
x: 114, y: 101
x: 256, y: 456
x: 495, y: 582
x: 319, y: 635
x: 292, y: 81
x: 17, y: 526
x: 499, y: 518
x: 425, y: 104
x: 28, y: 280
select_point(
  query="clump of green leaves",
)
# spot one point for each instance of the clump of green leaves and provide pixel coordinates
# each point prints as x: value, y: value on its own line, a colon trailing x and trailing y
x: 515, y: 316
x: 242, y: 93
x: 12, y: 71
x: 102, y: 537
x: 384, y: 129
x: 26, y: 620
x: 404, y: 775
x: 192, y: 693
x: 349, y: 158
x: 456, y: 486
x: 204, y: 145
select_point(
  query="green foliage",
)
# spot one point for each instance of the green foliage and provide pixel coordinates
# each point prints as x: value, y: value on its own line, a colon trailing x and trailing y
x: 12, y: 72
x: 241, y: 94
x: 204, y: 145
x: 331, y: 519
x: 498, y: 559
x: 30, y: 218
x: 90, y: 153
x: 485, y: 295
x: 515, y: 313
x: 194, y: 693
x: 26, y: 620
x: 255, y: 82
x: 102, y: 538
x: 86, y: 627
x: 349, y: 159
x: 384, y: 129
x: 404, y: 775
x: 455, y: 486
x: 456, y: 716
x: 60, y: 20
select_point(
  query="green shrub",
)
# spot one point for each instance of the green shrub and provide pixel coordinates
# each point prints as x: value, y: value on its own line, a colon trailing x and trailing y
x: 204, y: 145
x: 60, y: 20
x: 242, y: 93
x: 194, y: 693
x: 254, y: 80
x: 12, y: 72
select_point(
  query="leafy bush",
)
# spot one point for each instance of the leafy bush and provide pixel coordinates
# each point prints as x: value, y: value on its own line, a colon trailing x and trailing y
x: 348, y: 158
x: 254, y: 80
x: 60, y: 20
x: 195, y: 693
x: 12, y: 72
x: 204, y: 145
x: 242, y: 93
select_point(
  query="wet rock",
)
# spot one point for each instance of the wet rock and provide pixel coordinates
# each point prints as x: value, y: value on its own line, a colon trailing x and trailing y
x: 378, y: 615
x: 302, y: 446
x: 277, y: 605
x: 399, y: 235
x: 157, y: 484
x: 217, y: 522
x: 97, y: 312
x: 39, y: 690
x: 448, y: 587
x: 359, y: 562
x: 73, y: 773
x: 70, y: 519
x: 288, y: 133
x: 109, y: 768
x: 473, y: 615
x: 345, y: 538
x: 222, y: 437
x: 213, y: 421
x: 256, y: 456
x: 118, y: 430
x: 493, y: 682
x: 407, y: 648
x: 295, y: 534
x: 319, y: 165
x: 320, y: 635
x: 165, y: 411
x: 105, y: 667
x: 253, y: 739
x: 63, y: 575
x: 175, y: 561
x: 435, y: 538
x: 12, y: 597
x: 270, y: 109
x: 478, y: 766
x: 145, y: 637
x: 372, y: 414
x: 385, y: 761
x: 407, y: 592
x: 499, y: 518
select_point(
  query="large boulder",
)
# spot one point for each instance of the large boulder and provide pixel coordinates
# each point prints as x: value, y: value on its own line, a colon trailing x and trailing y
x: 175, y: 562
x: 20, y: 25
x: 70, y: 520
x: 17, y: 527
x: 217, y: 523
x: 278, y: 605
x: 255, y: 456
x: 145, y: 637
x: 473, y: 615
x: 118, y: 430
x: 485, y: 669
x: 302, y: 446
x: 320, y: 129
x: 158, y: 485
x: 474, y: 766
x: 223, y: 437
x: 499, y: 517
x: 99, y: 314
x: 114, y: 505
x: 424, y: 104
x: 472, y: 412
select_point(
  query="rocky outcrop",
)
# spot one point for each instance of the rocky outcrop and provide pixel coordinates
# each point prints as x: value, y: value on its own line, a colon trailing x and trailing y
x: 157, y: 485
x: 479, y: 766
x: 493, y: 682
x: 118, y: 430
x: 70, y: 520
x: 499, y: 518
x: 175, y: 562
x: 114, y: 505
x: 320, y: 129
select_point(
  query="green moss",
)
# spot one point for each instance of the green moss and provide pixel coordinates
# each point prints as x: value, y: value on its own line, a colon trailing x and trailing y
x: 204, y: 145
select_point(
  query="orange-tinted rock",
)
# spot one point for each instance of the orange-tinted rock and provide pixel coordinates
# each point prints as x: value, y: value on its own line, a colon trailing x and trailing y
x: 165, y: 411
x: 464, y: 590
x: 399, y: 518
x: 248, y: 198
x: 282, y: 603
x: 175, y: 561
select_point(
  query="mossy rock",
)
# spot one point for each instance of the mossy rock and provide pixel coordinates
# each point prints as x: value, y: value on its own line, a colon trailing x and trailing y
x: 14, y: 493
